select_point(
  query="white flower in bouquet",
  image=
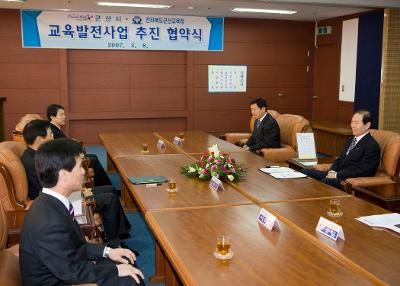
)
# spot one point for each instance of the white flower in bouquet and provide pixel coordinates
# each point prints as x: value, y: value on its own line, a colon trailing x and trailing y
x: 214, y: 149
x: 191, y: 170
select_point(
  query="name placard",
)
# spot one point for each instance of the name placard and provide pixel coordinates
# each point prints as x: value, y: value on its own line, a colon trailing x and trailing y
x: 330, y: 229
x: 161, y: 146
x: 177, y: 140
x: 268, y: 220
x: 215, y: 184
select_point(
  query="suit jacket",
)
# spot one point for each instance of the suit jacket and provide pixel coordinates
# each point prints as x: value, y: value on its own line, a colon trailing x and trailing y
x: 57, y: 132
x: 267, y: 135
x: 28, y: 161
x: 362, y: 161
x: 53, y: 250
x: 107, y: 201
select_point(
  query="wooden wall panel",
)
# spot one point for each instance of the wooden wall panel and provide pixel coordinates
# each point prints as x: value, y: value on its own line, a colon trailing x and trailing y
x: 219, y: 121
x: 109, y: 76
x: 11, y: 51
x: 25, y: 75
x: 98, y: 100
x: 23, y: 101
x: 10, y: 23
x: 345, y: 111
x: 291, y: 97
x: 268, y: 31
x: 149, y: 76
x: 89, y: 129
x: 258, y: 54
x: 158, y: 99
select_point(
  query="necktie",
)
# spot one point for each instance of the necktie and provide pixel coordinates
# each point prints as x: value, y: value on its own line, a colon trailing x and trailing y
x: 353, y: 143
x: 71, y: 210
x: 258, y: 123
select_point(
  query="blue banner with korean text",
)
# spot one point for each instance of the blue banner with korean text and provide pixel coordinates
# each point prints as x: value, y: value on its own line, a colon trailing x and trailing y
x: 92, y: 30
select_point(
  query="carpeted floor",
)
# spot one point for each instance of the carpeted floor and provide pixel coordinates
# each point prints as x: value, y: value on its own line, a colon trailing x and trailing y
x: 141, y: 238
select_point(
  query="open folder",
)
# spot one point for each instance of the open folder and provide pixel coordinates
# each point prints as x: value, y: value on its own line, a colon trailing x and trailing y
x: 148, y: 180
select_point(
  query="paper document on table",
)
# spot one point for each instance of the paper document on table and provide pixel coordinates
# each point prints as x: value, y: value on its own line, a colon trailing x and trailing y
x: 76, y: 200
x: 276, y: 170
x: 390, y: 221
x: 283, y: 173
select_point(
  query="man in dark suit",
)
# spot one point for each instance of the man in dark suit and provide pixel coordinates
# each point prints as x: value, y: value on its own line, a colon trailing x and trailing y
x: 359, y: 158
x: 266, y: 132
x: 53, y: 250
x: 56, y: 116
x: 116, y: 224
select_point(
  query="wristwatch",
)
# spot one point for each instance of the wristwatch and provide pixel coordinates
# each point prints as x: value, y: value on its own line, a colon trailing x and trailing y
x: 106, y: 253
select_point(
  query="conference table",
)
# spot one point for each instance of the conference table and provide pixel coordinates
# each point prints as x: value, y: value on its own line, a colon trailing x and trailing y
x: 186, y: 223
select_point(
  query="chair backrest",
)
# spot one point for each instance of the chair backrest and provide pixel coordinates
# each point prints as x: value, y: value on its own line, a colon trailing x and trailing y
x: 289, y: 125
x: 13, y: 180
x: 273, y: 113
x: 3, y: 228
x: 17, y: 131
x: 389, y: 142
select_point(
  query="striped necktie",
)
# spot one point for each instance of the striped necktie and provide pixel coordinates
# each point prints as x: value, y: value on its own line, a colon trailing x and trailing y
x: 353, y: 143
x: 258, y: 123
x: 71, y: 210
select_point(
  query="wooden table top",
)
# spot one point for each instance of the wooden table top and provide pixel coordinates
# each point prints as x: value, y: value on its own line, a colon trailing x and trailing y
x: 126, y: 144
x: 261, y: 187
x: 191, y: 193
x: 199, y: 141
x: 376, y: 250
x: 260, y: 257
x: 385, y: 192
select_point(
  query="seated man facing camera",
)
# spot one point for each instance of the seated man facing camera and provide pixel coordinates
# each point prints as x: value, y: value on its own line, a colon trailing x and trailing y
x: 53, y: 250
x: 266, y: 132
x: 359, y: 158
x: 56, y: 116
x: 116, y: 225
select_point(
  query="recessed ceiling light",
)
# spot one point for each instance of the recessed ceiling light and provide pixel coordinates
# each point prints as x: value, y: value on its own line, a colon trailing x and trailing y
x: 270, y: 11
x: 134, y: 5
x: 13, y: 0
x: 191, y: 7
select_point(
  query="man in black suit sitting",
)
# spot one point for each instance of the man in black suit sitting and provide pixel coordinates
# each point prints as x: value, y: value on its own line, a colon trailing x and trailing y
x: 116, y: 224
x: 53, y: 250
x: 359, y: 158
x: 56, y: 116
x: 266, y: 132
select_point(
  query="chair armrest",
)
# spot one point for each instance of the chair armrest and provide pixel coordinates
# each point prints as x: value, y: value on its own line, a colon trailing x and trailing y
x: 236, y: 137
x: 9, y: 270
x: 322, y: 167
x: 278, y: 155
x: 349, y: 183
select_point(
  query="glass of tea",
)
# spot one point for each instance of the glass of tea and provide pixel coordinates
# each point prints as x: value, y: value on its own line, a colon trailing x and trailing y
x: 145, y: 147
x: 171, y: 184
x: 334, y: 208
x: 223, y: 245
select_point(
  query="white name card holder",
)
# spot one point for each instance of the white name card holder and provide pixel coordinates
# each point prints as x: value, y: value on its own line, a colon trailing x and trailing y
x: 330, y: 229
x: 177, y: 140
x: 306, y: 146
x: 216, y: 184
x: 268, y: 220
x: 161, y: 147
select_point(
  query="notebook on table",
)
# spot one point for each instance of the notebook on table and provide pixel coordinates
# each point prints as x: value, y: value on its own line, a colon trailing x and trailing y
x: 148, y: 180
